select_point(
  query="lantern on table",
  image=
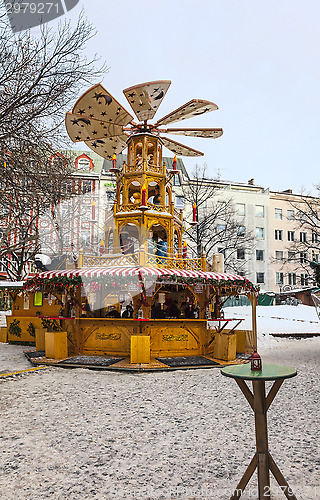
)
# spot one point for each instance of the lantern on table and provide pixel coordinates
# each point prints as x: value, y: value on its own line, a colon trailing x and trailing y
x: 256, y: 363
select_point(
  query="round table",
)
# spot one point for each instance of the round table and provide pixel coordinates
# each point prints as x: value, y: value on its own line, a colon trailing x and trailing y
x: 260, y: 404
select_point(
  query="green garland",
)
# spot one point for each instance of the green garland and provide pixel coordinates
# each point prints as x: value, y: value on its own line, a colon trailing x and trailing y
x: 51, y: 325
x: 14, y: 328
x: 63, y: 282
x: 31, y: 330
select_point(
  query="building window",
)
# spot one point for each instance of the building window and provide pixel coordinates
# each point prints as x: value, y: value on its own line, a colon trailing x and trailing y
x: 291, y: 256
x: 314, y: 237
x: 86, y: 187
x: 303, y: 257
x: 260, y: 277
x: 259, y: 255
x: 303, y: 237
x: 292, y: 279
x: 83, y: 162
x: 278, y: 213
x: 290, y: 235
x: 259, y: 233
x: 240, y: 253
x: 279, y: 278
x: 279, y: 255
x: 303, y: 279
x: 222, y: 206
x: 259, y: 211
x: 67, y: 187
x: 241, y: 209
x: 85, y: 239
x: 315, y: 256
x: 110, y: 195
x: 290, y: 215
x: 176, y: 180
x: 180, y: 202
x: 303, y: 217
x: 241, y: 230
x: 278, y: 234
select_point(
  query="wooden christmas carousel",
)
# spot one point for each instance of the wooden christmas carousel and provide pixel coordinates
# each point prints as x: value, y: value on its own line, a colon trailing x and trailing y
x: 145, y: 302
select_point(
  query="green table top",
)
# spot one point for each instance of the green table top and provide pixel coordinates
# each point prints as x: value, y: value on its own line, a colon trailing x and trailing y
x: 269, y: 372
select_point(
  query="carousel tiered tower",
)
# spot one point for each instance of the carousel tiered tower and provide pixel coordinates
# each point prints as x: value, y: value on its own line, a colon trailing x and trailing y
x: 136, y: 212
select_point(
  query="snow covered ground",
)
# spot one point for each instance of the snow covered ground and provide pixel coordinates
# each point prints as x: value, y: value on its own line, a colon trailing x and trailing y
x: 186, y: 435
x: 276, y: 319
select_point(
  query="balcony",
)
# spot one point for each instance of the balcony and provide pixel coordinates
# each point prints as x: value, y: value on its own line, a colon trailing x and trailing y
x: 141, y: 258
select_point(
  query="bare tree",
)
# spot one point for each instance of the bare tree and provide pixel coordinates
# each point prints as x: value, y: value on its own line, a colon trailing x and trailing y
x: 218, y: 224
x: 39, y: 76
x: 60, y: 227
x: 306, y: 247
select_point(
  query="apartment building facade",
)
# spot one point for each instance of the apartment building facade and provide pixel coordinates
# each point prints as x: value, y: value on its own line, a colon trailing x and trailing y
x: 293, y: 241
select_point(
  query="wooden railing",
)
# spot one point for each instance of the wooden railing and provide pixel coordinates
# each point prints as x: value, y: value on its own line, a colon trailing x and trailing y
x: 144, y: 167
x: 142, y: 259
x: 109, y: 260
x: 132, y: 207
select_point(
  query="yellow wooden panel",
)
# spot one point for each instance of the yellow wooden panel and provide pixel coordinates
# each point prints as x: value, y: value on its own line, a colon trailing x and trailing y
x: 3, y: 335
x: 177, y: 337
x: 45, y: 310
x: 22, y: 328
x: 56, y: 345
x: 225, y: 346
x: 140, y: 349
x: 241, y: 340
x: 107, y: 336
x: 40, y: 339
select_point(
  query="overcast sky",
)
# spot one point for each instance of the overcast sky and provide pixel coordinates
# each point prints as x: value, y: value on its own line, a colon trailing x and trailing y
x: 257, y: 60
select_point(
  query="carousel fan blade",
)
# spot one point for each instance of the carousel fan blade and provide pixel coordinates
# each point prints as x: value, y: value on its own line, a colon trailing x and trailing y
x: 99, y: 104
x: 196, y: 132
x: 180, y: 149
x: 146, y: 98
x: 195, y: 107
x: 82, y: 128
x: 109, y: 146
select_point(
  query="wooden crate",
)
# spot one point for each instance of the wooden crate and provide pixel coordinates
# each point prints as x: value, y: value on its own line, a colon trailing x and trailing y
x: 140, y: 349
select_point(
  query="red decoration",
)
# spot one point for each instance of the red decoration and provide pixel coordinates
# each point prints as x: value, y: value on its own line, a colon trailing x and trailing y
x: 144, y: 195
x: 184, y: 250
x: 174, y: 163
x: 194, y: 212
x: 114, y: 169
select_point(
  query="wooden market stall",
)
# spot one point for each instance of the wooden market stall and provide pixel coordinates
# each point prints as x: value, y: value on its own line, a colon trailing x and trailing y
x: 175, y: 312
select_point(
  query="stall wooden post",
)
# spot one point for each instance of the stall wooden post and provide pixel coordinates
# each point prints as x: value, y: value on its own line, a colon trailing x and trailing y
x: 203, y: 262
x: 77, y: 330
x: 80, y: 259
x: 253, y: 299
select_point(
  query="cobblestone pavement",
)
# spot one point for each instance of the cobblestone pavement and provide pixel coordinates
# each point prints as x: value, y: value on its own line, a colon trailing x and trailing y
x: 82, y: 434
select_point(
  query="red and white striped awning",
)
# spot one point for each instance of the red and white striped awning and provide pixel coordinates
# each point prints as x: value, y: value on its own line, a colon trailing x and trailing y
x: 99, y: 272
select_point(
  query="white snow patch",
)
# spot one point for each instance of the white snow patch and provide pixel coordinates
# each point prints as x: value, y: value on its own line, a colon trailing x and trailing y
x: 276, y: 319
